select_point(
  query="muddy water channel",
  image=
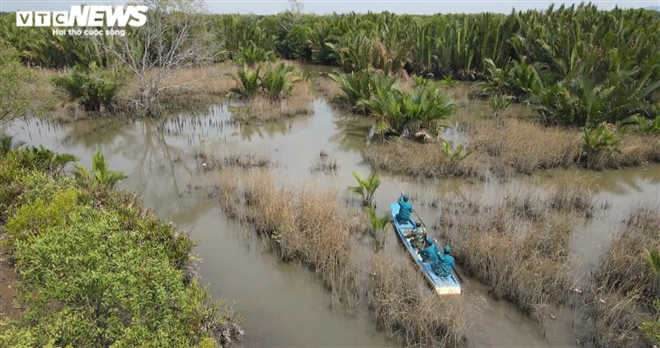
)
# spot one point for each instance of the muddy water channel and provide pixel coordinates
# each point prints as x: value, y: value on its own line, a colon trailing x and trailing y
x: 284, y: 304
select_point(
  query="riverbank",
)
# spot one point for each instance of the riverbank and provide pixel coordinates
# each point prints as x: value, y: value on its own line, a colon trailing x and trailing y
x: 503, y: 145
x: 94, y: 266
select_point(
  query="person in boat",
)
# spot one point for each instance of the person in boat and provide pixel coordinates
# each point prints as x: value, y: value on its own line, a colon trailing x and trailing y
x: 418, y: 236
x: 446, y: 262
x: 441, y: 264
x: 405, y: 209
x: 430, y: 253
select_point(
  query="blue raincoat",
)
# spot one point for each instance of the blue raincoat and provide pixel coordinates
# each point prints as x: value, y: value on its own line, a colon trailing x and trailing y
x: 446, y: 263
x: 430, y: 253
x: 405, y: 209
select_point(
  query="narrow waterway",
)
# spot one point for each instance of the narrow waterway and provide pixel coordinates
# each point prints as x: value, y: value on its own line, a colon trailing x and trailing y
x: 283, y: 304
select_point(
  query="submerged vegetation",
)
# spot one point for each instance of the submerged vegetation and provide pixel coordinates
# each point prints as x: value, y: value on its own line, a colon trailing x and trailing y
x: 107, y: 258
x: 312, y: 227
x: 518, y: 246
x: 625, y: 291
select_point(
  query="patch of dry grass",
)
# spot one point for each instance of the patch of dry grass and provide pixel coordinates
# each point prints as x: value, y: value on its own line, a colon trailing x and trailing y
x: 238, y: 159
x: 312, y: 227
x: 260, y: 109
x: 405, y: 307
x: 506, y: 147
x: 525, y: 147
x: 422, y: 160
x: 305, y: 224
x: 519, y: 245
x: 624, y: 286
x: 325, y: 163
x: 206, y: 80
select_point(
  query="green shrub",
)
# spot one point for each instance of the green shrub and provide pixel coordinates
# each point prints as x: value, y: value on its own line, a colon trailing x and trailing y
x: 96, y: 268
x: 250, y: 53
x: 41, y: 214
x: 104, y: 287
x: 247, y: 83
x: 278, y: 81
x: 90, y: 87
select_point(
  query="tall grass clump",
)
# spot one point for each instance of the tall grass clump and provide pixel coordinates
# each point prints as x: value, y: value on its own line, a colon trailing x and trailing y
x: 305, y: 225
x: 402, y: 113
x: 358, y: 86
x: 405, y: 307
x: 312, y: 227
x: 269, y: 92
x: 625, y: 287
x: 275, y: 82
x: 106, y: 258
x: 652, y: 326
x: 518, y: 246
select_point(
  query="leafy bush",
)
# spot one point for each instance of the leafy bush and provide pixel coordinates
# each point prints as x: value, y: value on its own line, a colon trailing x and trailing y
x: 278, y: 82
x: 90, y: 87
x: 39, y: 214
x: 99, y: 277
x: 251, y: 54
x: 405, y: 113
x: 275, y: 82
x: 110, y: 289
x: 15, y: 96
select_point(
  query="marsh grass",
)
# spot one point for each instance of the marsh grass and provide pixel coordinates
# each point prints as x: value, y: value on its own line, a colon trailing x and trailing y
x: 624, y: 286
x: 325, y: 164
x: 311, y: 226
x: 208, y: 160
x: 187, y: 88
x: 260, y: 109
x: 422, y: 160
x: 518, y: 245
x: 405, y: 307
x: 508, y: 147
x: 305, y: 225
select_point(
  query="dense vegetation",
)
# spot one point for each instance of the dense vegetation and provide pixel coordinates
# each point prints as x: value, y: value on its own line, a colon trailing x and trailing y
x: 95, y: 268
x: 576, y: 66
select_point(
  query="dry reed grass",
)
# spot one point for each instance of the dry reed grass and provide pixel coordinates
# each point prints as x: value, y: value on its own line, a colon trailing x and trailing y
x: 422, y: 160
x: 404, y: 306
x: 260, y: 109
x: 305, y: 225
x: 525, y: 147
x: 325, y: 163
x: 205, y: 80
x: 624, y: 286
x: 237, y: 159
x: 519, y: 245
x: 506, y: 147
x: 312, y: 227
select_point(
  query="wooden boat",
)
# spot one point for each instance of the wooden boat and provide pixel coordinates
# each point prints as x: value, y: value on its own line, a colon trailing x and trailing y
x: 442, y: 285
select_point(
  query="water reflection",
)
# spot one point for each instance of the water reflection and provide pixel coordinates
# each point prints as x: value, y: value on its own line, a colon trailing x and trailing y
x: 158, y: 157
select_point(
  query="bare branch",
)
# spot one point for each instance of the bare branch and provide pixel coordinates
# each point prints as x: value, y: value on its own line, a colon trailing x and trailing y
x: 174, y: 37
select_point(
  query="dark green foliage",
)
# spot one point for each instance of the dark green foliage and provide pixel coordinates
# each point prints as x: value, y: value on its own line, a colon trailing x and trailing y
x: 96, y: 269
x: 90, y: 87
x: 275, y: 81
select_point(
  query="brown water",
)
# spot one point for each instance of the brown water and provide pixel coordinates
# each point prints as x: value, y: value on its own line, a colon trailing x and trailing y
x: 283, y: 304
